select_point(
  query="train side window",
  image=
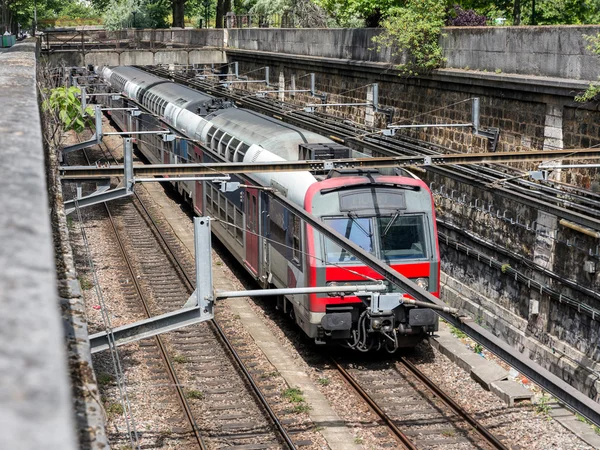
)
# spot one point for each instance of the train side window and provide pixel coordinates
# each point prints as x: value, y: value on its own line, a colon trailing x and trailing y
x: 210, y: 134
x: 215, y: 199
x: 230, y: 213
x: 239, y: 223
x: 231, y: 147
x: 296, y: 239
x: 208, y: 197
x: 241, y: 152
x: 276, y: 226
x: 215, y: 140
x: 223, y: 207
x: 223, y: 143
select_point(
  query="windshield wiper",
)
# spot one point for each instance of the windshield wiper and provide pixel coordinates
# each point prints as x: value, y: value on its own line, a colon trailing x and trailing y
x: 352, y: 217
x: 390, y: 223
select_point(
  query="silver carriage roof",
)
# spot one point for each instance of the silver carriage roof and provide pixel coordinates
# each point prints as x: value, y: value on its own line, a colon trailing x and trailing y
x: 273, y: 135
x: 179, y: 95
x: 162, y: 89
x: 120, y: 75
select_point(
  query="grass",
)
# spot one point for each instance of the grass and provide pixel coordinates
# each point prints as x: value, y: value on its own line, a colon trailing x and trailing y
x: 293, y: 395
x: 505, y: 268
x: 448, y: 433
x: 301, y: 408
x: 267, y: 375
x: 114, y: 409
x: 324, y: 381
x: 498, y: 71
x: 105, y: 379
x: 194, y: 394
x: 180, y: 359
x: 543, y: 405
x: 85, y: 284
x: 584, y: 420
x: 478, y: 348
x: 69, y: 222
x: 458, y: 333
x: 358, y: 440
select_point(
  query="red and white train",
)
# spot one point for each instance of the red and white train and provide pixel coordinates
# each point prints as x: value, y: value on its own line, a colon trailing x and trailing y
x: 390, y: 215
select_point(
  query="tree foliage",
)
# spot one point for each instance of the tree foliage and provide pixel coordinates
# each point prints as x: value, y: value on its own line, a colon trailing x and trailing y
x: 121, y: 14
x: 459, y: 17
x: 413, y: 31
x: 353, y: 13
x: 64, y: 103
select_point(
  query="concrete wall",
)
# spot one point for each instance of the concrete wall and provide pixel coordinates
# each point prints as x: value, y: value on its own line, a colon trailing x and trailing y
x: 550, y: 51
x: 131, y: 57
x: 558, y: 51
x: 354, y: 44
x: 35, y: 397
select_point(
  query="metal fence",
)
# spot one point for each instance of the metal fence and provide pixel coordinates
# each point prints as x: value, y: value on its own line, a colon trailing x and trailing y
x: 86, y: 40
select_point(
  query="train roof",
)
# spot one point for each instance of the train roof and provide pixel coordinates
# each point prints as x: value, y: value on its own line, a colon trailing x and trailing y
x: 179, y: 95
x: 276, y: 136
x: 140, y: 77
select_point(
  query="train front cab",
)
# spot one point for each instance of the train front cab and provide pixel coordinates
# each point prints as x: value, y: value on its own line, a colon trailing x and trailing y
x: 391, y: 217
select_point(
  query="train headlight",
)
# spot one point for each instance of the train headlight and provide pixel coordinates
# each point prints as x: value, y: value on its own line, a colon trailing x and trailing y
x: 332, y: 284
x: 423, y: 283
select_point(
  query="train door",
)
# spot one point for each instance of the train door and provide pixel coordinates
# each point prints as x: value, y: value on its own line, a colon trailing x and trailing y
x: 264, y: 220
x: 251, y: 210
x: 198, y: 200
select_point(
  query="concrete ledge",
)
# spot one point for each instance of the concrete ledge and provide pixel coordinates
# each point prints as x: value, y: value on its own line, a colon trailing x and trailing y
x: 522, y: 87
x: 487, y: 373
x: 568, y: 420
x: 141, y: 57
x: 512, y: 329
x: 35, y: 398
x: 509, y: 391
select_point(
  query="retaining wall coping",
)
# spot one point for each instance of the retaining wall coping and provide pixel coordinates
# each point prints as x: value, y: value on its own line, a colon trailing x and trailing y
x: 35, y: 397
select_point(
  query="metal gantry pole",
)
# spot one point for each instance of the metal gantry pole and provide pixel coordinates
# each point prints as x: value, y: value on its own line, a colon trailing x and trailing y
x: 128, y: 179
x: 475, y: 114
x: 204, y: 280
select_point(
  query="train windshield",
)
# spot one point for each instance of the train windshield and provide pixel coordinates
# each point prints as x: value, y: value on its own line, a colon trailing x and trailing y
x: 390, y: 238
x: 401, y: 237
x: 357, y: 229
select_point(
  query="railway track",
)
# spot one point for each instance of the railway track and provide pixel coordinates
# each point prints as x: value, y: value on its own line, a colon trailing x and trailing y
x: 197, y: 369
x: 443, y: 423
x: 559, y: 198
x: 417, y: 412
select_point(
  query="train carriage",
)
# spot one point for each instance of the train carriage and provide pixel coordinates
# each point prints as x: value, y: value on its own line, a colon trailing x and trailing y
x: 389, y: 214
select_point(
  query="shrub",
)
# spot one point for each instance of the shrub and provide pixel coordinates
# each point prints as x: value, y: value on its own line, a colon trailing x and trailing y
x: 458, y: 17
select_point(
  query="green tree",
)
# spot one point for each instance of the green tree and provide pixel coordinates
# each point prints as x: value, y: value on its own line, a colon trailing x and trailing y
x: 66, y: 106
x: 413, y: 31
x: 358, y: 12
x: 121, y: 14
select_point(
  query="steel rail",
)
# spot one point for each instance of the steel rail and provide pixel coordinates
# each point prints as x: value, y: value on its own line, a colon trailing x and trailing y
x: 449, y: 401
x: 162, y: 349
x: 77, y: 172
x: 404, y: 439
x: 190, y: 287
x: 532, y: 370
x: 529, y: 368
